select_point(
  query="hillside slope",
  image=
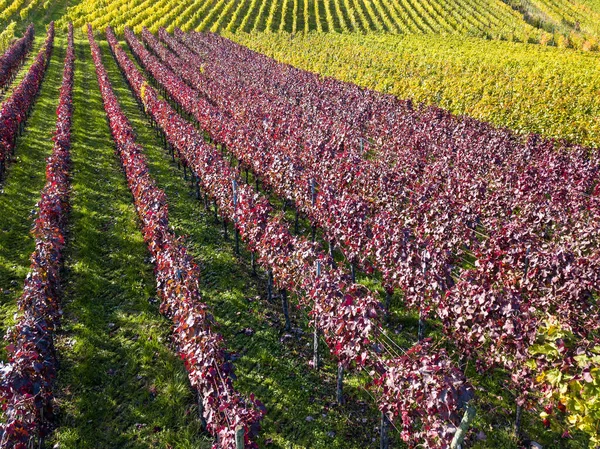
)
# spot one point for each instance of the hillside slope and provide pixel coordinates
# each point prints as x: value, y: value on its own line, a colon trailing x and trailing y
x: 562, y: 23
x: 529, y: 88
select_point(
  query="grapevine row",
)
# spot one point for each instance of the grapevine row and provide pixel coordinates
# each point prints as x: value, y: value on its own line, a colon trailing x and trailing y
x: 27, y: 379
x: 32, y: 5
x: 289, y: 173
x: 15, y: 109
x: 14, y: 7
x: 462, y: 134
x: 14, y: 56
x: 346, y: 313
x: 202, y: 349
x: 564, y: 26
x: 502, y: 158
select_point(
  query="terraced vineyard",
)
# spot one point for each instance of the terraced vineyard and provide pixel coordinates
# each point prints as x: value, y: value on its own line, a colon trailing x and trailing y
x: 279, y: 233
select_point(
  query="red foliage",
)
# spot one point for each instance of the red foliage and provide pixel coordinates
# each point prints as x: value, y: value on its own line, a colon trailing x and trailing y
x: 421, y: 195
x: 14, y: 56
x: 347, y: 314
x: 26, y: 380
x: 15, y: 109
x: 424, y: 374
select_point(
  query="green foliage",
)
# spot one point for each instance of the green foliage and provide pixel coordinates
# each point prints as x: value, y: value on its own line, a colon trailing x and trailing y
x: 6, y: 36
x: 25, y: 12
x: 574, y: 382
x: 560, y: 22
x: 592, y: 4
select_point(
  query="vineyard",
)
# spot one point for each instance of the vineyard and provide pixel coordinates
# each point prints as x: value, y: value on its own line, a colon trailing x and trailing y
x: 300, y: 224
x: 528, y: 88
x: 562, y: 23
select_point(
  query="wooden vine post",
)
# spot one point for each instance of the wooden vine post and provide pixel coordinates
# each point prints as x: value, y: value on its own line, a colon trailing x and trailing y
x: 285, y: 307
x: 201, y: 411
x: 269, y: 285
x: 421, y: 330
x: 171, y: 151
x: 235, y: 220
x: 384, y: 437
x: 197, y: 186
x: 316, y: 360
x: 339, y: 391
x: 313, y: 198
x: 253, y: 263
x: 518, y: 418
x: 388, y: 305
x: 463, y: 427
x: 239, y: 437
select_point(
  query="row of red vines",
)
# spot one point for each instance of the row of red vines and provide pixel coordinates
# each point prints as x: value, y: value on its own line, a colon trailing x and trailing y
x: 15, y: 109
x: 267, y: 136
x: 14, y: 56
x: 366, y: 115
x: 346, y: 313
x: 525, y: 211
x: 223, y: 129
x: 344, y: 104
x: 27, y: 379
x: 202, y: 349
x: 306, y: 149
x: 437, y: 132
